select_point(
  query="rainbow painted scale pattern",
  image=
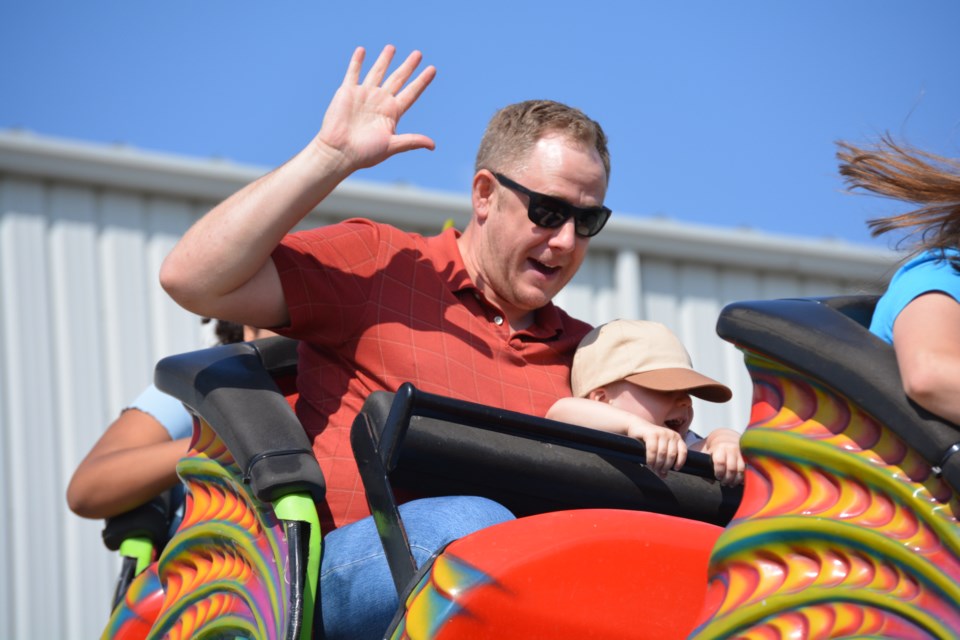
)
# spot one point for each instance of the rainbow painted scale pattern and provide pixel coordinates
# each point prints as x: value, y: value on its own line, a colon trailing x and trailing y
x: 135, y: 614
x: 433, y: 601
x: 844, y: 531
x: 221, y: 573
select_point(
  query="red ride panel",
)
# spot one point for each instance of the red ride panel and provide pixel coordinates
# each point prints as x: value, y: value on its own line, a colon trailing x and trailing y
x: 572, y: 574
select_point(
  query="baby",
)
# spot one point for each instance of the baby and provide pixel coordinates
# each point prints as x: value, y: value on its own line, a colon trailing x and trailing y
x: 635, y: 378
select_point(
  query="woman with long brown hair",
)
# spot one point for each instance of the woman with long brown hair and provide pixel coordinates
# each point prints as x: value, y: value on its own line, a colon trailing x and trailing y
x: 920, y: 311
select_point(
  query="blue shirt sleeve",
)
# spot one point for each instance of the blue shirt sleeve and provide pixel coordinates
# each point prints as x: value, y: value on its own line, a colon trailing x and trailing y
x: 923, y: 274
x: 167, y: 410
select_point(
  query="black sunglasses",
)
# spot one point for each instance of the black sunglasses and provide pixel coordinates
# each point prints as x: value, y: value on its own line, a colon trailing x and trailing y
x: 547, y: 211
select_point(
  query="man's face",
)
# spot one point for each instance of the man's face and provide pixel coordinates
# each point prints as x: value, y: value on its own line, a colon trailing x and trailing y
x: 523, y: 266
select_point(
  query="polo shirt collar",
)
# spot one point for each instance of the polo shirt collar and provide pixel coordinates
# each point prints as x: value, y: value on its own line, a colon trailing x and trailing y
x: 448, y: 262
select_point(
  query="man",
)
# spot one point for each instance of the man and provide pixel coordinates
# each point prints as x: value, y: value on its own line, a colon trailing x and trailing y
x: 463, y: 315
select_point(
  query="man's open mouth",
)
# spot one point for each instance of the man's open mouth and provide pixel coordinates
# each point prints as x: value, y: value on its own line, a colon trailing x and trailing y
x: 542, y: 268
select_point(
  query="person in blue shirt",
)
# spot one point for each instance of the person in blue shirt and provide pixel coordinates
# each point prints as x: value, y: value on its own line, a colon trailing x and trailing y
x: 136, y: 457
x: 919, y: 314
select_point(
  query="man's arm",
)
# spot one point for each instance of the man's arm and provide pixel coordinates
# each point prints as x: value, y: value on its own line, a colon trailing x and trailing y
x: 222, y: 268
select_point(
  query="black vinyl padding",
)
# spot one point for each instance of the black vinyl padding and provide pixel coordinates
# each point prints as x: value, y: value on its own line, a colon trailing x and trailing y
x: 529, y: 473
x: 233, y: 388
x: 827, y: 339
x: 150, y: 520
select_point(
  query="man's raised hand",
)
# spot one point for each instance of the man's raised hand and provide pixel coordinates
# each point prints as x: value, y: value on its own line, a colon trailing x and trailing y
x: 361, y: 122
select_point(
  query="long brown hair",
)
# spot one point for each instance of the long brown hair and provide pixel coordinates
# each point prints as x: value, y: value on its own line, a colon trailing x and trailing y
x: 905, y: 173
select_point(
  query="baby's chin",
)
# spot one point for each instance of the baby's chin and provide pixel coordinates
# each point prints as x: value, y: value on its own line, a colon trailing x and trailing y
x: 680, y: 425
x: 676, y: 424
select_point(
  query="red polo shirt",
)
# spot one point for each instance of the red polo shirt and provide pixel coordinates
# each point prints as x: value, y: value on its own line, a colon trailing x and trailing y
x: 376, y: 307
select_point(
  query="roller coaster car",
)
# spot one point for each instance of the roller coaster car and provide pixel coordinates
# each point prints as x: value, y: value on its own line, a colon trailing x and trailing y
x: 847, y: 525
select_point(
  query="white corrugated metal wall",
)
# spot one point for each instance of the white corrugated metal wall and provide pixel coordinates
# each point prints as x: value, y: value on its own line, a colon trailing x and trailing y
x: 83, y: 230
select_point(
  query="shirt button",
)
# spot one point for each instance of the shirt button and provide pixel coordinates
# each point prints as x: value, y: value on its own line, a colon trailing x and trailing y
x: 498, y: 320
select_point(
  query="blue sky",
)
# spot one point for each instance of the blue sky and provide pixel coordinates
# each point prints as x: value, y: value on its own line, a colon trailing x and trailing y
x: 718, y: 112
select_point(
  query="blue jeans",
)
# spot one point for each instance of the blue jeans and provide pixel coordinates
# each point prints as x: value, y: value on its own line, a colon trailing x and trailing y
x: 358, y: 597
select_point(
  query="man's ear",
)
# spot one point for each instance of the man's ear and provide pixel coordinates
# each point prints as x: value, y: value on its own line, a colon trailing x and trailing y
x: 599, y: 394
x: 482, y: 194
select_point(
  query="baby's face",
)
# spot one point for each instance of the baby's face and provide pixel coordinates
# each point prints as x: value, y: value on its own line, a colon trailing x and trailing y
x: 671, y: 409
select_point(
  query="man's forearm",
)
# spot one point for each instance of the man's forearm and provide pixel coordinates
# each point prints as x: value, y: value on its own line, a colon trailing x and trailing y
x: 221, y: 265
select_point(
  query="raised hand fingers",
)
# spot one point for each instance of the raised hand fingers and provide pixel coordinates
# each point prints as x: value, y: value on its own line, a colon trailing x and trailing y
x: 352, y: 77
x: 413, y: 90
x: 379, y: 69
x: 394, y: 83
x: 402, y: 73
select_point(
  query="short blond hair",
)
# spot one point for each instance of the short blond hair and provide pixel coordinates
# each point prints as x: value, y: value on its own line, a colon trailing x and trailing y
x: 516, y: 128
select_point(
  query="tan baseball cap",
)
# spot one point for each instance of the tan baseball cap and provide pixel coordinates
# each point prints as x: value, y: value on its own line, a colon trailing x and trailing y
x: 644, y: 353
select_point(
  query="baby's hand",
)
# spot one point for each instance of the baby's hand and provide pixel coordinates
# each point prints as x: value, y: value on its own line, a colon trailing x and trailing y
x: 665, y: 448
x: 723, y: 445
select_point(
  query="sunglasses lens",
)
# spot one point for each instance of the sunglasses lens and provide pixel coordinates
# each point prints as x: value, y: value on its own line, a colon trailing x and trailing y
x: 546, y: 216
x: 589, y: 223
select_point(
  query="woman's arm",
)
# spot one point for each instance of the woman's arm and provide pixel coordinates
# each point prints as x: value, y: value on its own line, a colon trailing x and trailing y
x: 665, y: 448
x: 133, y: 461
x: 926, y: 338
